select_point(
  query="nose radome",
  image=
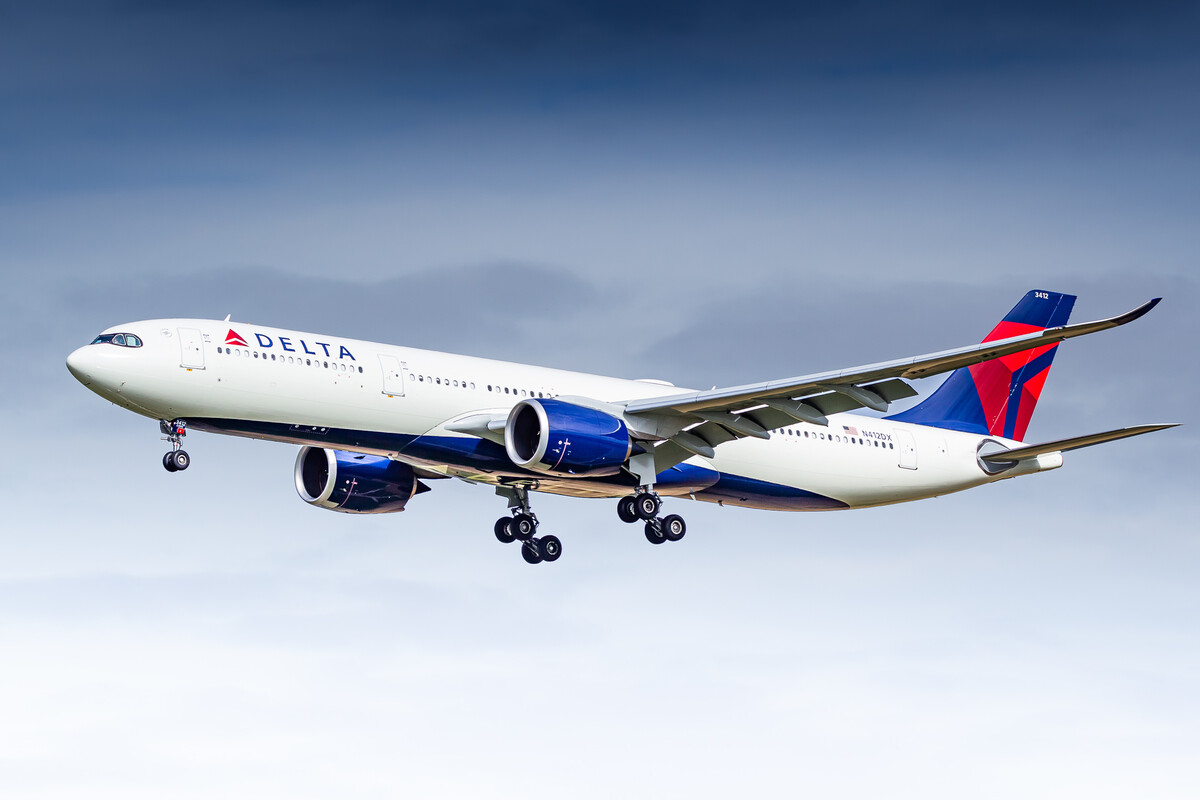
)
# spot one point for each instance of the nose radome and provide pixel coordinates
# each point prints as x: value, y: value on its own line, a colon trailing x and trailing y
x: 78, y: 364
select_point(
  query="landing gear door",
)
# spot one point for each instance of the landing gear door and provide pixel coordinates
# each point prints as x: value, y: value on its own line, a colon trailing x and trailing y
x: 191, y: 349
x: 393, y: 376
x: 907, y: 449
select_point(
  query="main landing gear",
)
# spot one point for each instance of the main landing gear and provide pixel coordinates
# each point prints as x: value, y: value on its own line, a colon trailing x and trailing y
x: 644, y: 507
x: 175, y: 459
x: 523, y: 525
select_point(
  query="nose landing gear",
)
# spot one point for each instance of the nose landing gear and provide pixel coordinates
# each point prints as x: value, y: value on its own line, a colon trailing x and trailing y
x: 176, y: 459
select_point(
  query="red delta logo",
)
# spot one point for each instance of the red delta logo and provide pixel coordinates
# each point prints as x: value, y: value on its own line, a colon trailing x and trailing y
x: 285, y: 343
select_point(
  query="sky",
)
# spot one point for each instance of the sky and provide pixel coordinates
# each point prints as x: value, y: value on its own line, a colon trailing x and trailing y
x: 705, y: 193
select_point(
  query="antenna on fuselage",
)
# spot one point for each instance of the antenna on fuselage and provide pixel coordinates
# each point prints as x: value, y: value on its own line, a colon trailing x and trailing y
x: 227, y: 316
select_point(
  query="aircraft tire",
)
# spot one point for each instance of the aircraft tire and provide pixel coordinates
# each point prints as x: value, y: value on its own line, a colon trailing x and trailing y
x: 503, y: 530
x: 524, y: 526
x: 648, y: 506
x: 627, y: 509
x: 531, y: 552
x: 181, y: 460
x: 550, y: 547
x: 654, y: 533
x: 673, y: 527
x: 169, y: 462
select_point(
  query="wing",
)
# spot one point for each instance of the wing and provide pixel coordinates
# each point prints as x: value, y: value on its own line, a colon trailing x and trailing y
x: 694, y: 423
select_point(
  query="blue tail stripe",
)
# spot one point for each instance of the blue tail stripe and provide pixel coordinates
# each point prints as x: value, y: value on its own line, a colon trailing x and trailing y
x: 1018, y: 380
x: 1033, y: 309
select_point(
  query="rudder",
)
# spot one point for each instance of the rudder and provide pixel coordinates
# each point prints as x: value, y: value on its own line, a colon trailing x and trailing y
x: 997, y: 397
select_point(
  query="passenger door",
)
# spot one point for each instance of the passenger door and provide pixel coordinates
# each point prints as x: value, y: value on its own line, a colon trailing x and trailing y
x: 907, y: 449
x: 393, y: 376
x: 191, y: 348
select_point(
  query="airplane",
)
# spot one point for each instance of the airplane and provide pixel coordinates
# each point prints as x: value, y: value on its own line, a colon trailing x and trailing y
x: 375, y: 422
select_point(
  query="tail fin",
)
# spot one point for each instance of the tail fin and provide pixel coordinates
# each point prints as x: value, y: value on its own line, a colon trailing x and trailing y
x: 997, y: 397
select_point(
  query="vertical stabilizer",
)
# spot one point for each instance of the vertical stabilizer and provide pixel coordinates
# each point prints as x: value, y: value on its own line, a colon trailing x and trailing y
x: 997, y: 397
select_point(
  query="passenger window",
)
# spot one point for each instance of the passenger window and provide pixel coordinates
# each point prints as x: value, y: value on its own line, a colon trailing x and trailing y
x: 506, y: 390
x: 472, y: 384
x: 421, y: 378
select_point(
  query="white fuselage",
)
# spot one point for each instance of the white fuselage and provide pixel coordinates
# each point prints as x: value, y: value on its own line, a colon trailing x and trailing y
x: 396, y: 401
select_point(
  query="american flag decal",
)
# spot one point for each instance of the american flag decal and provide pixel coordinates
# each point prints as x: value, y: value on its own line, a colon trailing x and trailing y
x: 849, y: 430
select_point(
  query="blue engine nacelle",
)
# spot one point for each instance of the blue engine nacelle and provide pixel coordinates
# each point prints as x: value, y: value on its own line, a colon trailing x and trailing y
x: 354, y: 483
x: 561, y: 438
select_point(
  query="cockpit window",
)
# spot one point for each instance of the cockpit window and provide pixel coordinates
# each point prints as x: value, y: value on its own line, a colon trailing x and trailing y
x: 120, y: 339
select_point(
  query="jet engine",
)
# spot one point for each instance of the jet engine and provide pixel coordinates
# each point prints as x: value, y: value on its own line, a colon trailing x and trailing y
x: 560, y: 438
x: 354, y: 483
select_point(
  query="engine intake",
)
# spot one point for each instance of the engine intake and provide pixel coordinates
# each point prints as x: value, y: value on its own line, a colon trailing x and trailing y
x: 560, y: 438
x: 354, y: 483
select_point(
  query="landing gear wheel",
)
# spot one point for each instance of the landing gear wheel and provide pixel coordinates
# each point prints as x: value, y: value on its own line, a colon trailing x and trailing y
x: 504, y: 530
x: 654, y: 532
x: 531, y: 552
x: 673, y: 527
x: 627, y: 509
x: 180, y: 460
x: 169, y: 462
x: 523, y: 526
x: 647, y: 505
x: 550, y: 548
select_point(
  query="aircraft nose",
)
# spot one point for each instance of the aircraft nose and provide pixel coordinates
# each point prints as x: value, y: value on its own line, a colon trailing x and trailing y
x: 81, y: 364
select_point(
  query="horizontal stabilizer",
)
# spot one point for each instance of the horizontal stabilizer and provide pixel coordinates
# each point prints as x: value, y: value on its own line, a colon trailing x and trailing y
x: 1062, y: 445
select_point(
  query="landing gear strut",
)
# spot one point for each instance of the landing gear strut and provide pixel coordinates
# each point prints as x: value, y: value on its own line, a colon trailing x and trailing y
x: 523, y: 525
x: 644, y: 505
x: 175, y: 459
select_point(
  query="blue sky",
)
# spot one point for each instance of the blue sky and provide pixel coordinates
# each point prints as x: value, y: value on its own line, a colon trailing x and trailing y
x: 688, y: 192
